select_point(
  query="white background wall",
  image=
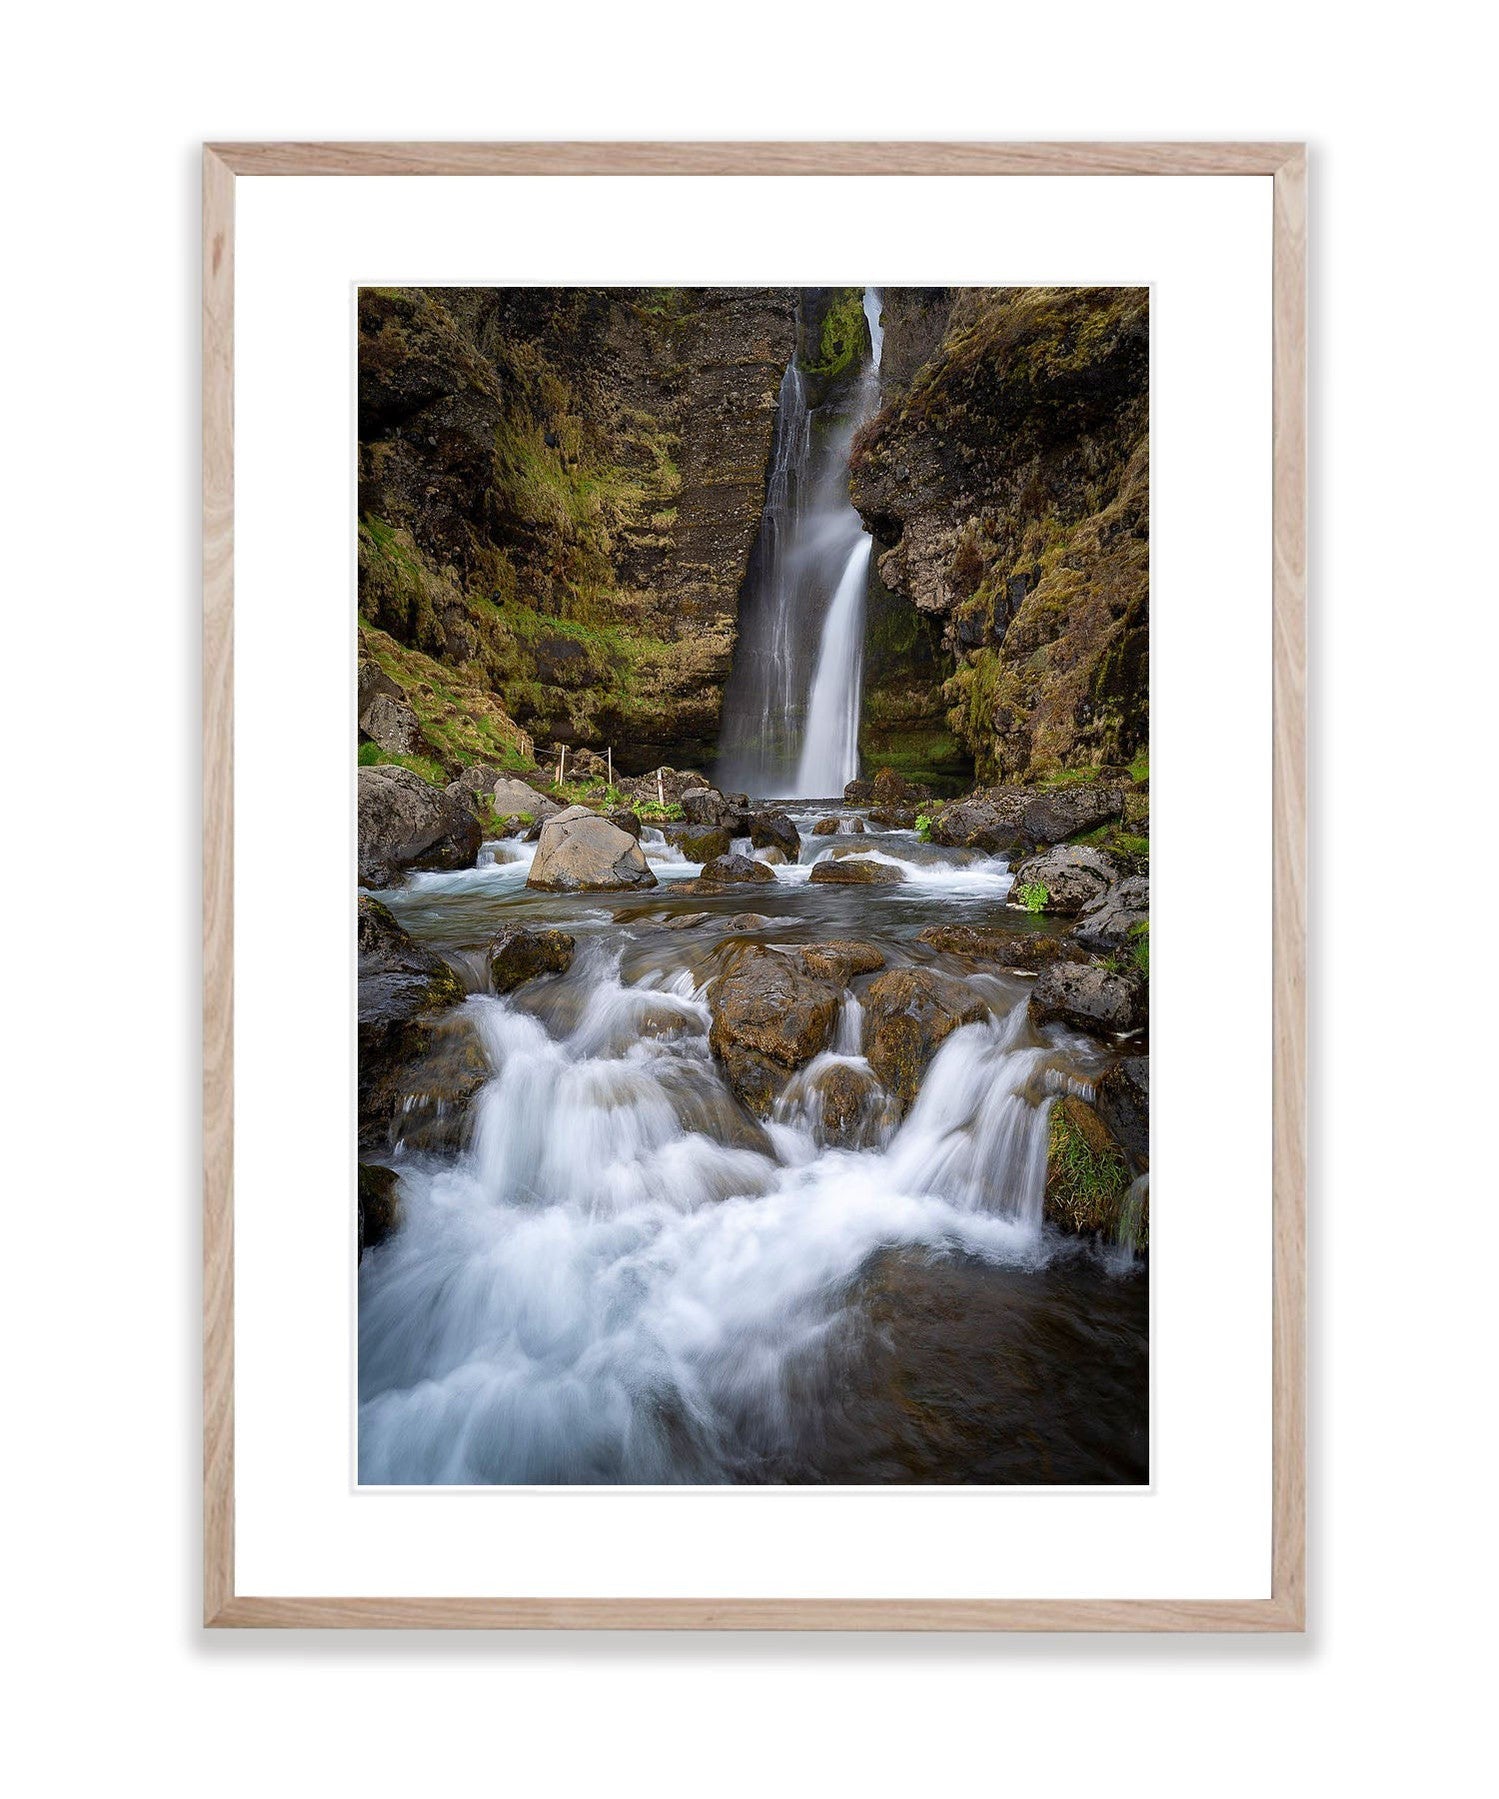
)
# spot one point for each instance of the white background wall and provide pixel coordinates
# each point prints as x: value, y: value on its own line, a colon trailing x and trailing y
x: 105, y: 109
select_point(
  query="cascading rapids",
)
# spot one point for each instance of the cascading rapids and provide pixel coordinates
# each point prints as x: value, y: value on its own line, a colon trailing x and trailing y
x: 623, y: 1280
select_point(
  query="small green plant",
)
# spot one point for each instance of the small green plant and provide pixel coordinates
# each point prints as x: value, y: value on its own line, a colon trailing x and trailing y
x: 654, y: 813
x: 923, y: 825
x: 1141, y: 951
x: 1033, y: 896
x: 1139, y: 769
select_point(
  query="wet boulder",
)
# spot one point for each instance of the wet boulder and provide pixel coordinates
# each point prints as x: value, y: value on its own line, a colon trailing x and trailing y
x: 404, y: 991
x: 1087, y: 1173
x: 1123, y: 1103
x: 838, y: 959
x: 700, y: 843
x: 705, y: 806
x: 769, y: 1019
x: 909, y: 1014
x: 855, y: 871
x: 579, y: 851
x: 1019, y: 949
x: 379, y: 1204
x: 893, y: 818
x: 994, y: 819
x: 849, y: 1106
x: 774, y: 830
x: 405, y: 823
x: 1091, y: 998
x: 825, y: 827
x: 1068, y: 879
x: 521, y: 952
x: 733, y: 871
x: 1113, y: 921
x: 1062, y: 812
x: 623, y: 819
x: 747, y: 921
x: 891, y: 789
x: 858, y: 793
x: 856, y: 827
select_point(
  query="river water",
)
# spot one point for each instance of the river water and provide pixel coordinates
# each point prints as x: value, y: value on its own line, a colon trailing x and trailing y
x: 624, y: 1278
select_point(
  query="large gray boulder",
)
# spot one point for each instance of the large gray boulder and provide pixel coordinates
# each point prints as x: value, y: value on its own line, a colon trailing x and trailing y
x: 706, y: 806
x: 1068, y: 879
x: 993, y: 819
x: 774, y: 830
x: 1123, y: 1102
x: 855, y: 871
x: 512, y: 798
x: 386, y: 718
x: 1112, y: 921
x: 581, y: 852
x: 1090, y: 998
x: 404, y: 822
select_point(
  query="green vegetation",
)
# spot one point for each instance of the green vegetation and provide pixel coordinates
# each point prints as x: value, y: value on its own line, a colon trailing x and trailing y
x: 1033, y: 896
x: 923, y: 825
x: 1139, y: 769
x: 653, y: 812
x: 1141, y: 950
x: 371, y: 756
x: 844, y: 336
x: 1087, y: 1178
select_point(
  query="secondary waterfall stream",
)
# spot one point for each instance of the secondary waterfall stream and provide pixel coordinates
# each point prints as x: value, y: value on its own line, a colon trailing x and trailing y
x: 791, y: 711
x: 623, y: 1277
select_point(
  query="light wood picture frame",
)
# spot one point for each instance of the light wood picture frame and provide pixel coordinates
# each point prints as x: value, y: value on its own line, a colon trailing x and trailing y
x: 1285, y: 1609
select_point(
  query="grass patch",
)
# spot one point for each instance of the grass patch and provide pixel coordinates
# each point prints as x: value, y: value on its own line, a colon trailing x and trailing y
x: 1086, y: 1182
x: 372, y: 756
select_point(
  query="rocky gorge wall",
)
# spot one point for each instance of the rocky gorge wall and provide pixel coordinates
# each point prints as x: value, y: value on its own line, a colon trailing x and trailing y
x: 558, y: 494
x: 1006, y: 483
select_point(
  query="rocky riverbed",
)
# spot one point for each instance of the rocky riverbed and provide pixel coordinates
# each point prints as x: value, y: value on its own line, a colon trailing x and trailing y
x: 710, y: 1140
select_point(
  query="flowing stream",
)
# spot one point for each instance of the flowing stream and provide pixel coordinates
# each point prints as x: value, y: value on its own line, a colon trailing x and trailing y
x: 791, y: 709
x: 620, y: 1276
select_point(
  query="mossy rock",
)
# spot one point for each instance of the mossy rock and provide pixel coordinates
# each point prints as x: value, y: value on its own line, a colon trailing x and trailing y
x: 1087, y: 1174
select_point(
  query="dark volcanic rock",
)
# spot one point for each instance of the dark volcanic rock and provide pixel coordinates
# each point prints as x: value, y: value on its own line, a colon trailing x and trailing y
x: 1112, y: 921
x: 706, y: 807
x: 1123, y: 1103
x: 404, y: 988
x: 1063, y: 812
x: 1074, y: 877
x: 858, y: 793
x: 732, y: 871
x: 520, y: 953
x: 379, y: 1207
x: 908, y: 1015
x: 406, y: 823
x: 768, y: 1020
x: 1090, y: 998
x: 855, y: 871
x: 773, y: 830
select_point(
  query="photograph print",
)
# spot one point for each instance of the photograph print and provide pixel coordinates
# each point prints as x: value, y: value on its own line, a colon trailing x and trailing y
x: 753, y: 921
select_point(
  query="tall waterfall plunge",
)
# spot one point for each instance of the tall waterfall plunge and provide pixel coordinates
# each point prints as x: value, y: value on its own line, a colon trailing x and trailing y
x: 791, y: 712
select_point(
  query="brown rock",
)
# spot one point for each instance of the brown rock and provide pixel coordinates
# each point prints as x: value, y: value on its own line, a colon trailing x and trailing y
x: 520, y: 953
x: 1004, y: 949
x: 908, y: 1014
x: 768, y: 1020
x: 855, y: 871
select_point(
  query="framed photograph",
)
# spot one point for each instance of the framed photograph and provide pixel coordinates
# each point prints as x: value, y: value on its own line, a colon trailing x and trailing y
x: 754, y: 803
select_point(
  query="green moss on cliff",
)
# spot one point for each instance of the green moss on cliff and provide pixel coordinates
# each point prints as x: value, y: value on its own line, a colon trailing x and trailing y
x: 843, y: 340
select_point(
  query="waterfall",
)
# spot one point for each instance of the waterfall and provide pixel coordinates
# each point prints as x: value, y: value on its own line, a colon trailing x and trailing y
x: 791, y: 711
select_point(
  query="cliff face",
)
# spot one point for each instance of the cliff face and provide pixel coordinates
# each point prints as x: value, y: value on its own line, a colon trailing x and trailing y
x: 559, y: 490
x: 1006, y: 481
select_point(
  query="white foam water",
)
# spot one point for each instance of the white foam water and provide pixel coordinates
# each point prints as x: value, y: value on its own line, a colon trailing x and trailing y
x: 620, y: 1278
